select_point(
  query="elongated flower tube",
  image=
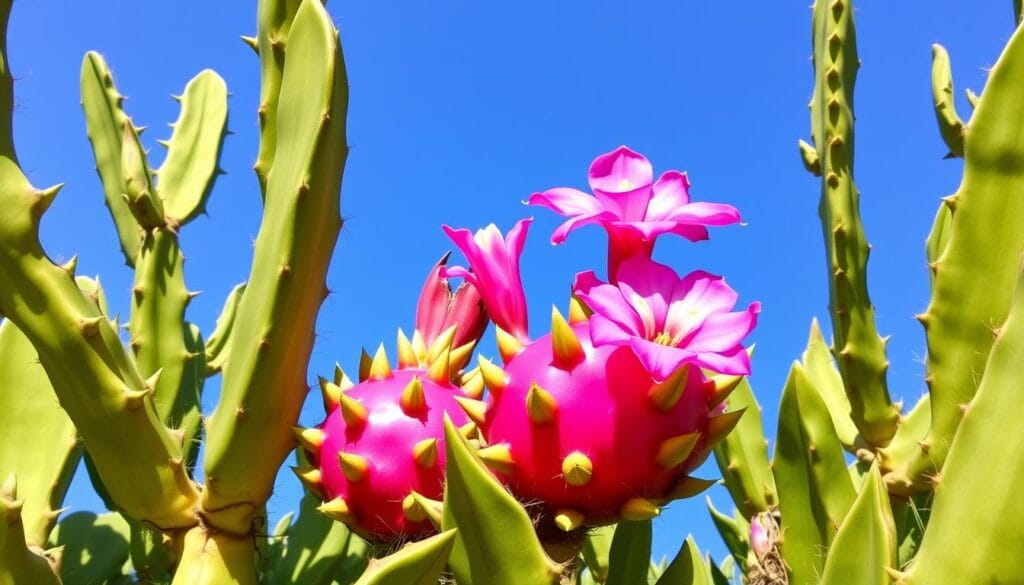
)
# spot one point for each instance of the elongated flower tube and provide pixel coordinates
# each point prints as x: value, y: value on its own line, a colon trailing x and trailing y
x: 632, y: 207
x: 669, y: 321
x: 494, y: 271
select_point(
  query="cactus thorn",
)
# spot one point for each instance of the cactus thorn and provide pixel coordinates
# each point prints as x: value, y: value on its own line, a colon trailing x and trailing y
x: 352, y: 411
x: 666, y: 395
x: 832, y: 179
x: 508, y: 346
x: 639, y: 510
x: 675, y: 450
x: 311, y: 439
x: 252, y: 43
x: 476, y: 410
x: 353, y: 466
x: 577, y: 469
x: 336, y: 509
x: 89, y: 326
x: 380, y: 369
x: 71, y: 266
x: 950, y: 202
x: 154, y: 379
x: 412, y: 401
x: 44, y: 198
x: 541, y: 406
x: 134, y: 399
x: 493, y: 376
x: 498, y: 457
x: 568, y: 520
x: 425, y: 453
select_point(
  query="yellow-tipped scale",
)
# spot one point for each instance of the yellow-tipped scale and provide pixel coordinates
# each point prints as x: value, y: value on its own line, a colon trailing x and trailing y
x: 311, y: 439
x: 412, y: 401
x: 380, y: 369
x: 666, y: 395
x: 724, y: 385
x: 331, y: 393
x: 352, y: 410
x: 578, y: 312
x: 425, y: 453
x: 473, y: 384
x: 353, y: 466
x: 494, y: 377
x: 406, y: 353
x: 675, y: 450
x: 498, y: 457
x: 438, y: 371
x: 508, y: 346
x: 577, y: 469
x: 311, y: 478
x: 442, y: 343
x: 639, y: 509
x: 413, y: 510
x: 341, y: 379
x: 541, y: 406
x: 365, y: 361
x: 476, y: 410
x: 336, y: 509
x: 432, y: 509
x: 469, y: 430
x: 719, y: 426
x: 568, y: 520
x: 565, y: 346
x: 419, y: 347
x: 689, y: 487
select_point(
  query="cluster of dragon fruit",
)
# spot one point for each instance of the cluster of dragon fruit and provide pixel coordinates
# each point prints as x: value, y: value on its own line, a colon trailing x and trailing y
x: 603, y: 418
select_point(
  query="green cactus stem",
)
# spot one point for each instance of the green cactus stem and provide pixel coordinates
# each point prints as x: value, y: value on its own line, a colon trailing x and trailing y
x: 42, y: 448
x: 18, y: 562
x: 821, y: 370
x: 859, y: 350
x: 417, y: 563
x: 687, y: 568
x: 977, y: 509
x: 209, y: 558
x: 475, y: 503
x: 104, y: 121
x: 864, y: 549
x: 815, y: 489
x: 742, y: 456
x: 250, y: 432
x: 629, y: 558
x: 217, y: 343
x: 951, y: 127
x: 974, y: 274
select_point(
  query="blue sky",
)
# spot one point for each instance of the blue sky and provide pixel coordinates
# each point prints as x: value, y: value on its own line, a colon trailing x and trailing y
x: 460, y: 110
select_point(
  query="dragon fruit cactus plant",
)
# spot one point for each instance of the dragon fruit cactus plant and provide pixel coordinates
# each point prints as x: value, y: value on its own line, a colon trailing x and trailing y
x: 378, y: 459
x: 605, y: 417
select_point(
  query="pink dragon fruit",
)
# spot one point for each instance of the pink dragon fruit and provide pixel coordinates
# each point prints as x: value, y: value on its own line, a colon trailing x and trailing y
x: 579, y: 420
x: 378, y: 458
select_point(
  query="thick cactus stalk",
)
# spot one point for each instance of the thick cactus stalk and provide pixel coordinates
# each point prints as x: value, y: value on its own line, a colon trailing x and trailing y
x: 974, y: 275
x: 31, y: 413
x: 213, y: 559
x: 951, y: 127
x: 250, y: 432
x: 859, y: 350
x: 989, y: 426
x: 19, y: 563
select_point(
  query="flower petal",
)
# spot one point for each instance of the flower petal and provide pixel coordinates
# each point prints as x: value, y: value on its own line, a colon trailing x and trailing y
x: 641, y: 277
x: 659, y: 360
x: 696, y: 296
x: 607, y: 300
x: 606, y: 332
x: 566, y: 201
x: 724, y: 331
x: 734, y: 362
x: 671, y: 191
x: 620, y: 170
x: 704, y: 213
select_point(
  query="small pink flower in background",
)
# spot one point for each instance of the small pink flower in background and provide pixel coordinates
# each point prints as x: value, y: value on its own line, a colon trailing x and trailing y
x: 759, y: 537
x: 632, y: 207
x: 669, y: 321
x: 494, y: 271
x: 439, y: 308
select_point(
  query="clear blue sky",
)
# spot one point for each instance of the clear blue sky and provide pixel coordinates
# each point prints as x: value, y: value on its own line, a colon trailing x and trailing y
x: 461, y: 109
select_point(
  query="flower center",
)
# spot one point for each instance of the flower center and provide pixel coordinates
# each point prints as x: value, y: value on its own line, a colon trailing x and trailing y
x: 664, y: 338
x: 625, y: 185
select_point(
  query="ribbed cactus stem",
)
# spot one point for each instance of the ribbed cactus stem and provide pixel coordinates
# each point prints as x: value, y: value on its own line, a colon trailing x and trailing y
x: 859, y: 350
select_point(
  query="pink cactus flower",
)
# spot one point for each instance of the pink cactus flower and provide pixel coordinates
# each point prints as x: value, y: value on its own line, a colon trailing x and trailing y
x: 759, y: 537
x: 439, y: 309
x: 632, y: 207
x: 669, y: 321
x: 494, y: 271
